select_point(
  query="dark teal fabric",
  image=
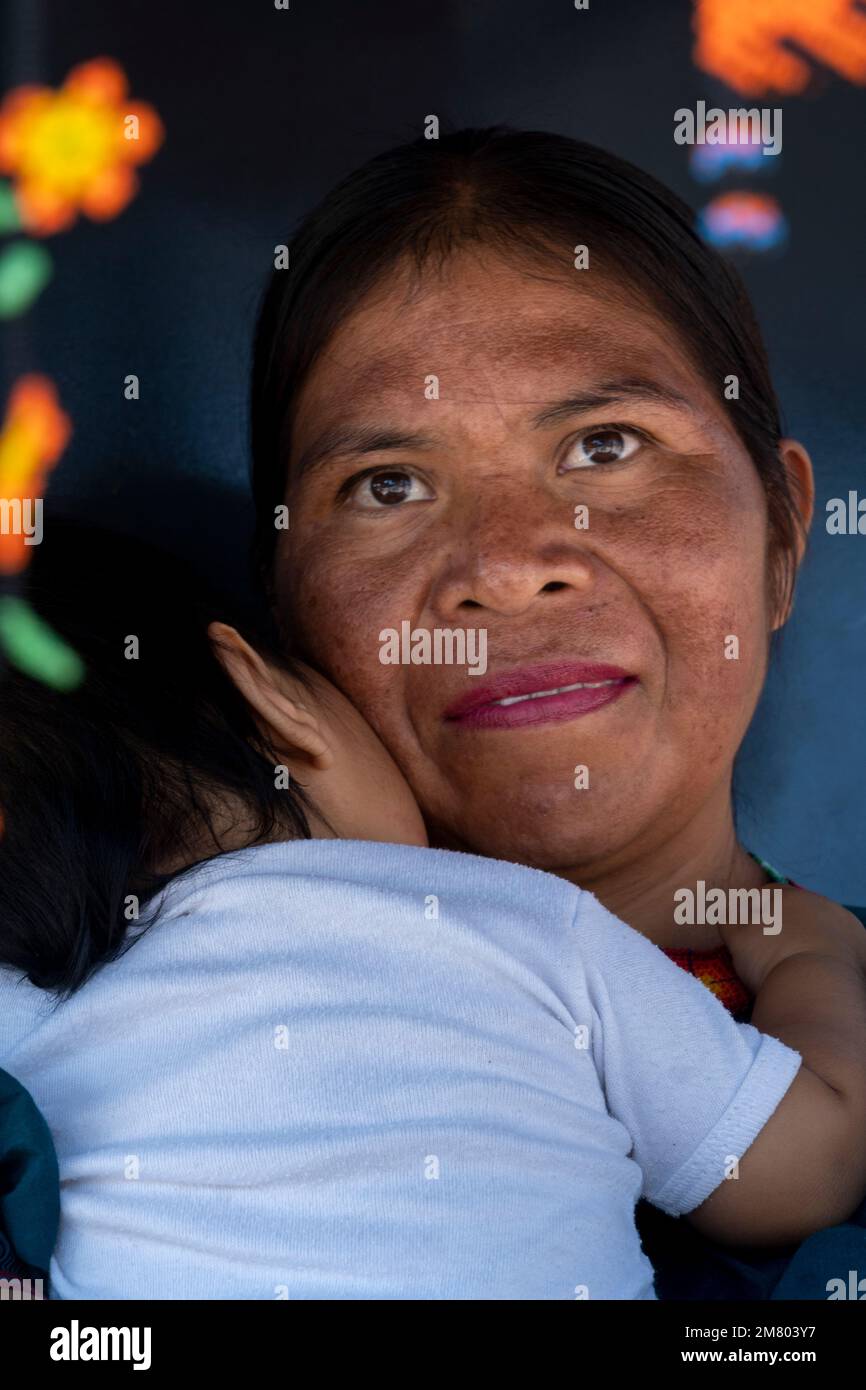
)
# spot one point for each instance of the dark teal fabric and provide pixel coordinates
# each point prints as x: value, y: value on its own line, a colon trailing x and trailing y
x: 29, y: 1184
x: 836, y: 1254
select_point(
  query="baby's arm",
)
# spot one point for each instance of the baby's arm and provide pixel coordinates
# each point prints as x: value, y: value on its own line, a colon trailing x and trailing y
x: 807, y: 1167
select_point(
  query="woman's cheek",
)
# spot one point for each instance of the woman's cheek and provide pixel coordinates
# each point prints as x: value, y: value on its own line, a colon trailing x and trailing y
x: 719, y: 661
x: 699, y: 572
x: 340, y: 601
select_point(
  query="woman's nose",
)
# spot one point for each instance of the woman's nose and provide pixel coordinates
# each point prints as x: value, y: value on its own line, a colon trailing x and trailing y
x: 508, y: 558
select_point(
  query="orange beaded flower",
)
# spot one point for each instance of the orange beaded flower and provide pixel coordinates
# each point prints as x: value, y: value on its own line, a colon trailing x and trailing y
x: 74, y: 149
x: 747, y: 42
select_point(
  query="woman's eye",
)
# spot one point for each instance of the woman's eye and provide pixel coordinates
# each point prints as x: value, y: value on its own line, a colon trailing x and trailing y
x: 608, y: 444
x: 388, y: 488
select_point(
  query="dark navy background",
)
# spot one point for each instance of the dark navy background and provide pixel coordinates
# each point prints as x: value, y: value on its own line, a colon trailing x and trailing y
x: 264, y: 110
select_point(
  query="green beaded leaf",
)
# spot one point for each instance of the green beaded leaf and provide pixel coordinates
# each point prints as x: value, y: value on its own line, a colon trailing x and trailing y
x: 32, y: 646
x: 25, y: 270
x: 10, y: 218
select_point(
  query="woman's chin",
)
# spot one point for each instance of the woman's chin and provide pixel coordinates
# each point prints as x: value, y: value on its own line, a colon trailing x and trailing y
x: 549, y: 830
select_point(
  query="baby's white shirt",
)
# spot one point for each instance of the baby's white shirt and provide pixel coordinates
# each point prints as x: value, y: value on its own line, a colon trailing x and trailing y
x: 344, y: 1070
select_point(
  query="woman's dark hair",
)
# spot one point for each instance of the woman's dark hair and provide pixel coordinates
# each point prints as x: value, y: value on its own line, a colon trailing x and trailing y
x: 103, y: 784
x: 531, y: 196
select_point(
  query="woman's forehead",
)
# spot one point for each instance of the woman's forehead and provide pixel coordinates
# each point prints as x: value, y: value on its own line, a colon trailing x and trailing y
x: 517, y: 370
x: 492, y: 334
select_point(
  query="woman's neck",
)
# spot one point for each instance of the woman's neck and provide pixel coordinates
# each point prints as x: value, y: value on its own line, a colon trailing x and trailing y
x: 640, y: 887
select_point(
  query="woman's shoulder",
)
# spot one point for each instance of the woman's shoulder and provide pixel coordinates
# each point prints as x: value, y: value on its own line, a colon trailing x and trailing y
x: 814, y: 907
x: 820, y: 923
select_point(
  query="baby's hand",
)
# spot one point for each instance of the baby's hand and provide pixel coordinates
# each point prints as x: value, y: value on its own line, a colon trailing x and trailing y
x: 808, y: 924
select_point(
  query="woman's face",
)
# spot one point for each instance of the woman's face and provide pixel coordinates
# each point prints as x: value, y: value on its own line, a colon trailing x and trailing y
x: 442, y: 444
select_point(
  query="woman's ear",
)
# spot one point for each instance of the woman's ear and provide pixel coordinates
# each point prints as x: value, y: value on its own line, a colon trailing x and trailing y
x: 288, y: 724
x: 801, y: 482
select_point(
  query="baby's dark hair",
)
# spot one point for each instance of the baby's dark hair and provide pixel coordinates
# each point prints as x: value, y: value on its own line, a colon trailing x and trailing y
x: 151, y: 761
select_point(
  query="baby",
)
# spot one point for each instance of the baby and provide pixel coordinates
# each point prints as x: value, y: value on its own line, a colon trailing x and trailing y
x: 292, y: 1052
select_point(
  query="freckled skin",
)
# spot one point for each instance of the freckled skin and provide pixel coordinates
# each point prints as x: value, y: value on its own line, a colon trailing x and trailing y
x: 674, y: 560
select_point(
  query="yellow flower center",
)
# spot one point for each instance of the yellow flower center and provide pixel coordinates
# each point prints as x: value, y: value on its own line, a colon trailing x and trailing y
x: 69, y: 144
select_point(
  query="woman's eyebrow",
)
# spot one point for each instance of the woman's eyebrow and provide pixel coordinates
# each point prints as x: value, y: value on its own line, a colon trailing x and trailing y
x: 374, y: 439
x: 613, y: 393
x: 361, y: 439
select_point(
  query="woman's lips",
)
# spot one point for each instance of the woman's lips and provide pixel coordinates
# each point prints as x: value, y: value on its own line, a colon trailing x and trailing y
x: 539, y: 695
